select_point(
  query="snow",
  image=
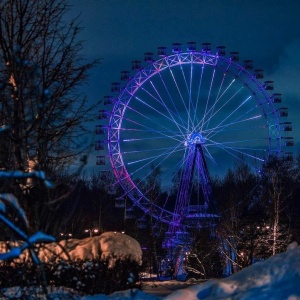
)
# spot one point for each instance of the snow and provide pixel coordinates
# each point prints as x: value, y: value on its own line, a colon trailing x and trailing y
x: 275, y: 278
x: 111, y: 245
x: 278, y: 277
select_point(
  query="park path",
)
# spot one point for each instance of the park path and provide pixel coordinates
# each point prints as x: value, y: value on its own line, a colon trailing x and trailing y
x: 164, y: 288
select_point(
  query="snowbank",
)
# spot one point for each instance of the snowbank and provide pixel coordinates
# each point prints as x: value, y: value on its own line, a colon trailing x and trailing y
x: 112, y: 245
x: 275, y: 278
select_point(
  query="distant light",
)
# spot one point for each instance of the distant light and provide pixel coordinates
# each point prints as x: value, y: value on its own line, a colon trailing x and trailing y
x: 123, y: 232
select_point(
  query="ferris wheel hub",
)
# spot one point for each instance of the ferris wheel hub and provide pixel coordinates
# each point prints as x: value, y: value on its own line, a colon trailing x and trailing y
x: 195, y: 138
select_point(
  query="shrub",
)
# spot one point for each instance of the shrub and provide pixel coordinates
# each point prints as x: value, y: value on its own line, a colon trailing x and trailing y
x: 88, y: 277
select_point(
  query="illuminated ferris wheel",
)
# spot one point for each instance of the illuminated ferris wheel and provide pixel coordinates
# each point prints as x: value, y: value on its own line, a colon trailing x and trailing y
x: 186, y: 116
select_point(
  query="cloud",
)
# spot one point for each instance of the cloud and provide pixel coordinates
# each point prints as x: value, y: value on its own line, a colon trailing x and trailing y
x: 286, y: 76
x: 286, y: 73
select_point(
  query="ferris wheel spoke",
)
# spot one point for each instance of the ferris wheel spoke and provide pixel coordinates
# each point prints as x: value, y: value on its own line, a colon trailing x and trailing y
x: 225, y: 103
x: 190, y: 103
x: 226, y: 89
x: 152, y: 121
x: 236, y: 151
x: 142, y: 130
x: 148, y: 150
x: 237, y: 120
x: 164, y: 156
x: 161, y: 101
x: 151, y: 158
x: 195, y: 119
x: 210, y: 156
x: 180, y: 95
x: 234, y: 142
x: 172, y: 172
x: 177, y: 114
x: 211, y: 110
x: 213, y: 131
x: 190, y: 91
x: 156, y: 110
x: 222, y: 106
x: 226, y: 145
x: 234, y: 111
x: 161, y: 134
x: 218, y: 98
x: 153, y: 138
x: 207, y: 101
x: 234, y: 130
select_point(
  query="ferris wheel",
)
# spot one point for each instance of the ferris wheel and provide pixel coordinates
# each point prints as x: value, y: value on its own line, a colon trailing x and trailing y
x: 183, y: 117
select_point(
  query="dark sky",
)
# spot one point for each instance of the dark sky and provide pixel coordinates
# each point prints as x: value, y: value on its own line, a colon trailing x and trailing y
x: 268, y: 32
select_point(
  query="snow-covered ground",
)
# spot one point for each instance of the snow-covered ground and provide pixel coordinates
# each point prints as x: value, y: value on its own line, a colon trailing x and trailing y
x: 277, y: 278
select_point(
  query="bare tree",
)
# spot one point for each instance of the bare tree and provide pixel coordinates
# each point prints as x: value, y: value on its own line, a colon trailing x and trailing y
x: 235, y: 195
x: 256, y: 216
x: 41, y: 71
x: 278, y: 181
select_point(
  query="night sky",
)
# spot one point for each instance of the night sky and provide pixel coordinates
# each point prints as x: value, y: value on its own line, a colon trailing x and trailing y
x: 268, y: 32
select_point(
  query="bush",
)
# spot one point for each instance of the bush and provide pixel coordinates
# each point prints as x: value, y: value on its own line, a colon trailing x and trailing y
x: 88, y: 277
